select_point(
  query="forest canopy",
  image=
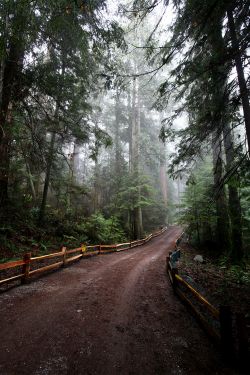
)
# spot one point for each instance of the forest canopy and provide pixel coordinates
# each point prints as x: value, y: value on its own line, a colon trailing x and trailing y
x: 119, y: 118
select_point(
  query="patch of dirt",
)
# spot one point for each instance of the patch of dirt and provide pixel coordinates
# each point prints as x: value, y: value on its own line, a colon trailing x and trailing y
x: 108, y: 314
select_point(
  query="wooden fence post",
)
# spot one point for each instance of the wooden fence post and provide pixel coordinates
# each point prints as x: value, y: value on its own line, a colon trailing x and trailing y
x: 116, y: 247
x: 175, y: 282
x: 168, y: 260
x: 130, y: 244
x: 227, y: 350
x: 64, y: 256
x: 100, y: 248
x: 137, y: 242
x: 26, y: 268
x: 243, y: 343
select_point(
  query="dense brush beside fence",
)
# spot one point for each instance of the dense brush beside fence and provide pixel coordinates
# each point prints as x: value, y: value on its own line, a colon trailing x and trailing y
x: 225, y: 336
x: 30, y: 265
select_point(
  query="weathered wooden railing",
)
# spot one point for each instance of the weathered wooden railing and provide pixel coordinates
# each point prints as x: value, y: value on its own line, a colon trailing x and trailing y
x: 225, y: 337
x: 82, y: 251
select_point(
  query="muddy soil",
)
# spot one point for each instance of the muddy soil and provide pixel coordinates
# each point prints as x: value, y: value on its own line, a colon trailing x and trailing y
x: 108, y: 314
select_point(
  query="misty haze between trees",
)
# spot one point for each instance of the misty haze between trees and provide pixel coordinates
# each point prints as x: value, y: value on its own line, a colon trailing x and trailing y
x: 120, y: 118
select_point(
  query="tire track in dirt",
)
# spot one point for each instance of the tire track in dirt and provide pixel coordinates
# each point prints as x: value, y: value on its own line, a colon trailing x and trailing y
x: 125, y: 294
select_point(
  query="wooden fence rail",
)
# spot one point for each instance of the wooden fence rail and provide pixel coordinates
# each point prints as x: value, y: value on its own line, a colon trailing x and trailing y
x: 225, y: 337
x: 83, y: 251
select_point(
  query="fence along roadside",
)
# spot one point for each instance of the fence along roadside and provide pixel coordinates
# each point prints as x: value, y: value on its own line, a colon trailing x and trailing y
x: 82, y: 251
x: 225, y: 337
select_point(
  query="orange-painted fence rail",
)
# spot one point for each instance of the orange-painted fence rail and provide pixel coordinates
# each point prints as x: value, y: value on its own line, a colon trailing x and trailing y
x: 225, y: 336
x: 30, y: 265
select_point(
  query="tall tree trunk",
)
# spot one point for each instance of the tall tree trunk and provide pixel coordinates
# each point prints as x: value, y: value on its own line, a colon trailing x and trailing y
x: 130, y: 117
x: 96, y: 191
x: 70, y: 176
x: 47, y: 174
x: 130, y: 130
x: 51, y: 152
x: 31, y: 184
x: 10, y: 79
x: 223, y: 228
x: 76, y: 165
x: 178, y: 189
x: 117, y: 123
x: 133, y: 135
x: 2, y: 63
x: 134, y: 215
x: 85, y: 163
x: 163, y: 172
x: 138, y: 211
x: 240, y: 74
x: 234, y: 202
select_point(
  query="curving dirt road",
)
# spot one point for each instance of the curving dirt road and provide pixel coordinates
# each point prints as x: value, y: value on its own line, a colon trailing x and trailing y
x: 109, y: 314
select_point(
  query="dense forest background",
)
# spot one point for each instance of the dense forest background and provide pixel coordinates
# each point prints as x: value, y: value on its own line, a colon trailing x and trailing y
x: 118, y: 118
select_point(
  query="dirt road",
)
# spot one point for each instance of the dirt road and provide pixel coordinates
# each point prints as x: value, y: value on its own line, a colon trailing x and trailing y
x: 109, y: 314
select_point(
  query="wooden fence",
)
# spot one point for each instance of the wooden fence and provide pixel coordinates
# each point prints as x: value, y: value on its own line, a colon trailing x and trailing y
x: 83, y: 251
x: 225, y: 337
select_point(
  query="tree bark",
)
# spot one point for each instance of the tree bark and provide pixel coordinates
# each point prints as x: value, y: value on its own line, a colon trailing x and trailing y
x: 139, y: 157
x: 117, y: 124
x: 96, y: 191
x: 2, y: 65
x: 12, y: 68
x: 163, y: 172
x: 47, y: 175
x: 77, y: 165
x: 134, y: 213
x: 70, y: 177
x: 234, y: 202
x: 223, y: 226
x: 240, y: 74
x: 133, y: 135
x: 51, y: 152
x: 31, y: 181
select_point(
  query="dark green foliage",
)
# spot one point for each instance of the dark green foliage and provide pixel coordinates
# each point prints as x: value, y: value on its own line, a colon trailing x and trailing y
x: 197, y: 212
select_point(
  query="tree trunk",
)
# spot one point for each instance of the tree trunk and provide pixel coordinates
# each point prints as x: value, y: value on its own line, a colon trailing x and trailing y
x: 240, y: 74
x: 178, y: 189
x: 130, y: 129
x: 139, y: 159
x: 12, y: 67
x: 223, y: 228
x: 70, y: 176
x: 96, y: 192
x: 2, y: 65
x: 47, y: 174
x: 31, y: 182
x: 117, y: 123
x: 77, y: 165
x: 133, y: 135
x: 234, y: 202
x: 134, y: 213
x: 51, y: 152
x: 163, y: 172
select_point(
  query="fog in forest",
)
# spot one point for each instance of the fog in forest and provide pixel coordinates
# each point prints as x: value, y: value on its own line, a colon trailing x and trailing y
x: 120, y: 118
